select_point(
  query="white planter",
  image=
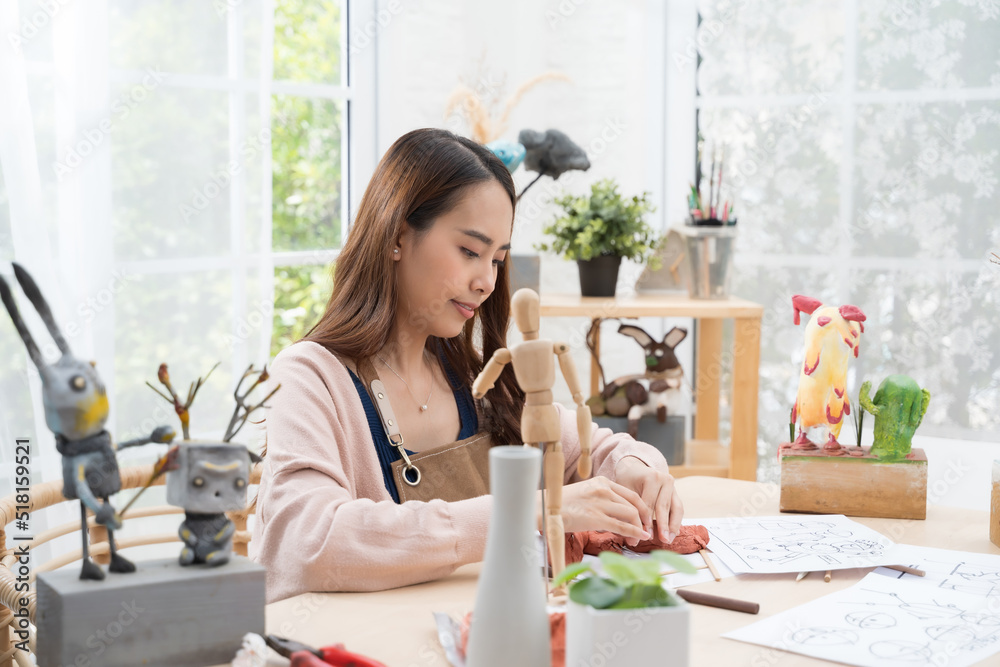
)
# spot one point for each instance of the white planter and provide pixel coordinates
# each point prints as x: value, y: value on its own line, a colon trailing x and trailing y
x: 628, y: 637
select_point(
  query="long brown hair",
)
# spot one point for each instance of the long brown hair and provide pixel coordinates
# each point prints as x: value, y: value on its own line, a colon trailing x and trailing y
x: 422, y: 176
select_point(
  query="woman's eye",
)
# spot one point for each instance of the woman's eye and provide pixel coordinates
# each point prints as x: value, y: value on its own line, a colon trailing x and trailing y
x: 469, y: 253
x: 498, y: 263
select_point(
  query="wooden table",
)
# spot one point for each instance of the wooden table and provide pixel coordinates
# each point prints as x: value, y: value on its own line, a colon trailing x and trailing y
x: 397, y: 628
x: 705, y: 455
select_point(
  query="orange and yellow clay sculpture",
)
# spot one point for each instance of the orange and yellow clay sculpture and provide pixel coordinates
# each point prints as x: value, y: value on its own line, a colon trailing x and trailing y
x: 832, y: 334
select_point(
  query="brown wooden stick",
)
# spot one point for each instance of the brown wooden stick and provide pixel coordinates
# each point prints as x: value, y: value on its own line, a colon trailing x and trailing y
x: 711, y: 565
x: 697, y: 567
x: 906, y: 569
x: 828, y: 576
x: 696, y: 597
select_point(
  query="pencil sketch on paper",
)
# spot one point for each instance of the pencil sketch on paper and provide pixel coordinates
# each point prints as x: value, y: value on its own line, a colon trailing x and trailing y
x: 820, y: 636
x: 797, y: 543
x: 962, y: 571
x: 920, y: 610
x: 881, y: 620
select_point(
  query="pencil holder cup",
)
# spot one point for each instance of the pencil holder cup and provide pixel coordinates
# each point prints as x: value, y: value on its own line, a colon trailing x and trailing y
x: 709, y: 260
x: 995, y: 506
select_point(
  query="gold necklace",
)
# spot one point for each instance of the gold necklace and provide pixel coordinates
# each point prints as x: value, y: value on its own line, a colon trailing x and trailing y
x: 423, y: 406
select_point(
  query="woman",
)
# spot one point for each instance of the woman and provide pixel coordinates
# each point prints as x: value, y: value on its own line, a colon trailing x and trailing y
x: 421, y: 298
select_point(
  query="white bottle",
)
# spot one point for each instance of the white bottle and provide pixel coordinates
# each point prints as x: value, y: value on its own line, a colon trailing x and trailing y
x: 510, y: 625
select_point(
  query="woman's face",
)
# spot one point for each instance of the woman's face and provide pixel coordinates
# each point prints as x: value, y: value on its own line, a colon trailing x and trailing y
x: 444, y: 275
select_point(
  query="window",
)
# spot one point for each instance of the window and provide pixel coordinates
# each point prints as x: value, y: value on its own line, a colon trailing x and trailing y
x: 860, y: 147
x: 185, y: 165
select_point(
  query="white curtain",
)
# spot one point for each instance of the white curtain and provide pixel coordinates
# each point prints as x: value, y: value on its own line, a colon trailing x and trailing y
x: 135, y: 186
x: 862, y: 143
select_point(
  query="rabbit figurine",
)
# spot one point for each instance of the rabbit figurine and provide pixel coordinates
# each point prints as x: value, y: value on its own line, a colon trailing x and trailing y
x: 663, y: 374
x: 76, y: 409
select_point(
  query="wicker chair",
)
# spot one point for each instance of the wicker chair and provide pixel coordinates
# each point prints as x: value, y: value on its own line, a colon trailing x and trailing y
x: 49, y: 494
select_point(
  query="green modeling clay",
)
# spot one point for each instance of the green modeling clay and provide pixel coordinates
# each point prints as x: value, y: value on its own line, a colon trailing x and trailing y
x: 899, y: 406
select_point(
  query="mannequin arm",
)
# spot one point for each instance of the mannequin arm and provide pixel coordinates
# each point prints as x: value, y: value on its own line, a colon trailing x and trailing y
x: 490, y: 372
x: 583, y: 417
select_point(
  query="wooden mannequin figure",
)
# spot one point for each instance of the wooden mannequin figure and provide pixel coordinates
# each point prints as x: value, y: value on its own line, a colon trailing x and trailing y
x: 535, y: 373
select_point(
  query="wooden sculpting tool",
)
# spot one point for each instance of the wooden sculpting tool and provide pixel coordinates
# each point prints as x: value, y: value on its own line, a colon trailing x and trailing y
x: 711, y: 565
x: 802, y: 575
x: 695, y: 597
x: 907, y: 570
x: 828, y: 576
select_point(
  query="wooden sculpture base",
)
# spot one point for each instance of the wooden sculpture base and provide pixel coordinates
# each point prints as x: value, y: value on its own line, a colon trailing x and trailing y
x: 158, y: 616
x: 854, y: 483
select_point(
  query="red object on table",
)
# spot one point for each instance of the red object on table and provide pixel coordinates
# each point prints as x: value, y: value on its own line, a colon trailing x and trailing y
x: 689, y: 540
x: 305, y: 656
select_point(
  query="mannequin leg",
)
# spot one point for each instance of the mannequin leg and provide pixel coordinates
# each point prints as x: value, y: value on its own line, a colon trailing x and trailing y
x: 554, y: 462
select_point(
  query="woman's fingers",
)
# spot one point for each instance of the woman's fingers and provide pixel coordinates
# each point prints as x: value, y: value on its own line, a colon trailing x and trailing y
x: 642, y: 507
x: 640, y: 514
x: 663, y: 506
x: 631, y: 532
x: 650, y: 493
x: 600, y: 504
x: 676, y: 513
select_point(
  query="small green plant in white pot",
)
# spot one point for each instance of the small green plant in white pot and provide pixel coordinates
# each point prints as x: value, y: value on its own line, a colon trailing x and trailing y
x: 626, y: 616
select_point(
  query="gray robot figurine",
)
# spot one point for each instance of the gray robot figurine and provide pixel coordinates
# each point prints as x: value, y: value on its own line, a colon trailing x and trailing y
x: 210, y: 479
x: 76, y: 409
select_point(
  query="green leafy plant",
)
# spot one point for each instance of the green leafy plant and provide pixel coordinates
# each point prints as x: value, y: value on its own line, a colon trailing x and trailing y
x: 603, y: 223
x: 628, y: 583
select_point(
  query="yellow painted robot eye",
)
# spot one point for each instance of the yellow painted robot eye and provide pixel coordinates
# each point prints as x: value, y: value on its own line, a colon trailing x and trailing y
x: 198, y: 481
x: 78, y: 382
x: 240, y: 483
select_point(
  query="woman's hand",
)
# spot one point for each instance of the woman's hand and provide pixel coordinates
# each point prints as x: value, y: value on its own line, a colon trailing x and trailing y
x: 657, y: 491
x: 600, y: 504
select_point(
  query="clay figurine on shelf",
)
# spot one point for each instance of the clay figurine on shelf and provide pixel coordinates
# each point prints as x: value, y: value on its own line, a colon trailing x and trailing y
x: 658, y: 390
x: 76, y: 409
x: 535, y: 373
x: 899, y: 406
x: 832, y: 334
x: 208, y: 479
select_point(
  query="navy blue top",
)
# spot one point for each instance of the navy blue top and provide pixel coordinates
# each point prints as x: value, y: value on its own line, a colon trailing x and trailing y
x: 386, y: 452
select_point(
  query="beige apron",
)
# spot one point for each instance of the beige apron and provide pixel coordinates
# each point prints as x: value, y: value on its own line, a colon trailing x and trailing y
x: 455, y: 471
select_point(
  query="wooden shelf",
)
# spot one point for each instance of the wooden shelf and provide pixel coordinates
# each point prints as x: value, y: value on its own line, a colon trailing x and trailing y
x: 647, y: 305
x: 704, y: 457
x: 705, y: 454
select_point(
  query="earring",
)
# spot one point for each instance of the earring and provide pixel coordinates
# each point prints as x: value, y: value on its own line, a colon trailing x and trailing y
x: 395, y: 251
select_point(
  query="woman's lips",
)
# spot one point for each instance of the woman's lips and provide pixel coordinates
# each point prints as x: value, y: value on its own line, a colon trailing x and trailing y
x: 466, y: 310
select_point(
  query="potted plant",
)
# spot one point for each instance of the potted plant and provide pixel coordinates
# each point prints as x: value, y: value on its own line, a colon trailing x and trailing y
x: 598, y: 231
x: 626, y: 616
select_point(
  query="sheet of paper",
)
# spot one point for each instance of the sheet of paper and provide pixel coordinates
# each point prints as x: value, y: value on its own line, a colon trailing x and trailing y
x: 797, y: 543
x: 884, y: 621
x: 964, y: 571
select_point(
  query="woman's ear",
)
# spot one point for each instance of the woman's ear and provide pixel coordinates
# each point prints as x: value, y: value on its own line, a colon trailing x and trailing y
x: 402, y: 241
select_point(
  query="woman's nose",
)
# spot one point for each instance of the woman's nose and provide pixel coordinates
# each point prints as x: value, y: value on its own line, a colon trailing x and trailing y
x: 485, y: 279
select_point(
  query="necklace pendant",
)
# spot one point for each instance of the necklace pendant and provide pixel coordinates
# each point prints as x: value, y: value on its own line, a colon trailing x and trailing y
x: 423, y: 408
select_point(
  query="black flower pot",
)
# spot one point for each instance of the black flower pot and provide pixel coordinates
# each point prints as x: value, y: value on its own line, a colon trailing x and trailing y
x: 598, y: 276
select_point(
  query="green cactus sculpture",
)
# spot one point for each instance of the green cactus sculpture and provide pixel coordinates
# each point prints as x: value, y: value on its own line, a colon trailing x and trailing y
x: 899, y: 406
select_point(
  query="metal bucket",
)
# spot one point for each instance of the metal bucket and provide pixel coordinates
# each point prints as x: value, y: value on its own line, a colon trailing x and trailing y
x: 709, y: 260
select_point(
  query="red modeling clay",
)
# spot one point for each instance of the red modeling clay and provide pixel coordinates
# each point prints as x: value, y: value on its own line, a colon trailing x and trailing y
x: 690, y: 540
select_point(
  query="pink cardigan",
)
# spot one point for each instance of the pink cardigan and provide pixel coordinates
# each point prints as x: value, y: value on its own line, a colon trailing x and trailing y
x: 325, y: 521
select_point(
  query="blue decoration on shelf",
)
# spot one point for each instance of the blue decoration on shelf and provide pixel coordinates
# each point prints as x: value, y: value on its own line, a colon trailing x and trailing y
x: 510, y: 153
